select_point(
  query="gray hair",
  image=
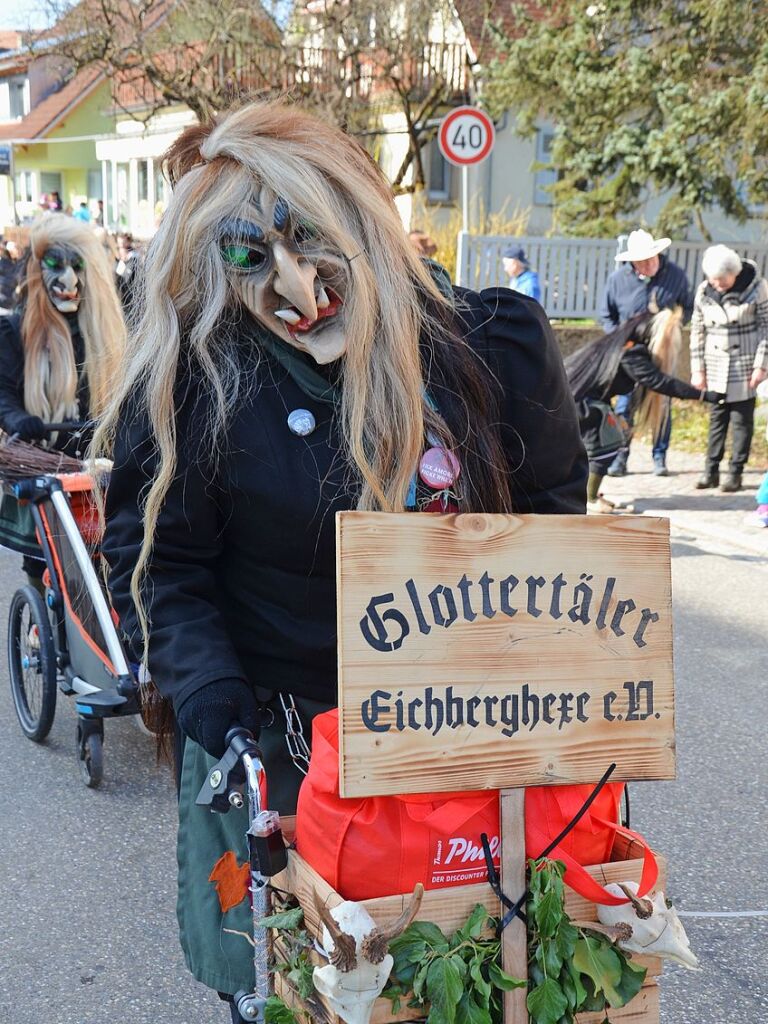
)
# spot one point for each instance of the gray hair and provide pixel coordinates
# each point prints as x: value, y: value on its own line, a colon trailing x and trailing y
x: 719, y: 260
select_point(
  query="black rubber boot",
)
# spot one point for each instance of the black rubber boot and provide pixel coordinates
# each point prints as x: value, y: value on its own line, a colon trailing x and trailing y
x: 731, y: 484
x: 710, y: 479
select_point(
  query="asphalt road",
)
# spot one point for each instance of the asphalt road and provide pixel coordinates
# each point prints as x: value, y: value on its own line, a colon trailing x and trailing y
x: 87, y: 925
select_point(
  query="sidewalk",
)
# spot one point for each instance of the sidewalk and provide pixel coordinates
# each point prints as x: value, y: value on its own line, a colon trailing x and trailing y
x: 708, y: 513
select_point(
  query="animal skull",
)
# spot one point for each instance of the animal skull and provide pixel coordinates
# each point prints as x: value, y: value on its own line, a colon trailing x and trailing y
x: 359, y: 962
x: 656, y: 928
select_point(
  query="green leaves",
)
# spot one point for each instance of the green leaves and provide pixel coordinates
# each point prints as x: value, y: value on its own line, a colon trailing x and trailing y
x: 503, y: 981
x: 547, y: 1002
x: 601, y: 964
x: 549, y: 913
x: 286, y: 920
x: 278, y: 1012
x: 571, y: 970
x: 459, y: 979
x: 293, y: 961
x: 649, y: 98
x: 444, y: 990
x: 468, y: 1012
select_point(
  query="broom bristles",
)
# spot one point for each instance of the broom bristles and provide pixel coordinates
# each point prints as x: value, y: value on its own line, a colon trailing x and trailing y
x: 20, y: 460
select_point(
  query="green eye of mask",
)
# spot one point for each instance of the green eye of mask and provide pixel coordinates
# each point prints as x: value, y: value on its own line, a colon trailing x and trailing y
x: 51, y: 262
x: 306, y: 231
x: 242, y: 256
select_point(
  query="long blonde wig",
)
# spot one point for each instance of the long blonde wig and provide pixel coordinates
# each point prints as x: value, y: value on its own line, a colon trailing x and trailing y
x: 188, y: 302
x: 665, y: 338
x: 50, y: 373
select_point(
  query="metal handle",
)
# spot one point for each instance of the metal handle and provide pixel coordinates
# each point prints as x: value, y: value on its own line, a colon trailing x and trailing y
x: 68, y: 426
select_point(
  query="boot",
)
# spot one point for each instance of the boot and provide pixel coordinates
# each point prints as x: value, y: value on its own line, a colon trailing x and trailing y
x: 619, y: 465
x: 660, y: 464
x: 710, y: 478
x: 731, y: 484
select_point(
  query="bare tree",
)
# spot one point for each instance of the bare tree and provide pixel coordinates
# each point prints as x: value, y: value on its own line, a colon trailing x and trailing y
x: 355, y: 61
x: 386, y: 57
x: 158, y: 53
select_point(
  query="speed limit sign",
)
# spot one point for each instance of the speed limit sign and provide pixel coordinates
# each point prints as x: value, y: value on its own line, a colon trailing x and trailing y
x: 466, y: 136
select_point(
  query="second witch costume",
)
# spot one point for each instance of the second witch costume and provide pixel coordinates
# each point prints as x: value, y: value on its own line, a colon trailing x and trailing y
x: 639, y: 357
x: 311, y: 377
x: 59, y: 353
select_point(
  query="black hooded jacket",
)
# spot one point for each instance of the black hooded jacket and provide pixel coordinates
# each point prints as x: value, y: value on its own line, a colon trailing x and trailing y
x: 617, y: 362
x: 243, y: 573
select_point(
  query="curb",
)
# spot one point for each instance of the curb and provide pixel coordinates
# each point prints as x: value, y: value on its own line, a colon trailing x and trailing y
x: 757, y: 544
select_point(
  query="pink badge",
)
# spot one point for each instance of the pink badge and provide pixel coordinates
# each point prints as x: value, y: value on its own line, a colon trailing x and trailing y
x: 439, y: 468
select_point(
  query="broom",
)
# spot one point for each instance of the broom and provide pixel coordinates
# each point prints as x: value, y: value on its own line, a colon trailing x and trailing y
x: 20, y: 460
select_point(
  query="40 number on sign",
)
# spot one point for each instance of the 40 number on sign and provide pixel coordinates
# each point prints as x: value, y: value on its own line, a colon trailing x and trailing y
x: 466, y: 136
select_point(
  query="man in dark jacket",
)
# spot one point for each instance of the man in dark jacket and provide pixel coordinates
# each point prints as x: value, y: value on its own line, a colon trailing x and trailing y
x: 645, y: 280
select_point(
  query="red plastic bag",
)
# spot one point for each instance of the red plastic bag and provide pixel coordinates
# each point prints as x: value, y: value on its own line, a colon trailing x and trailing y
x: 381, y: 846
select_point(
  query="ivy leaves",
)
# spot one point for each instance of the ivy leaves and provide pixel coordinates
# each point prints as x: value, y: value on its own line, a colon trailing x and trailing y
x: 293, y: 961
x: 278, y: 1012
x: 571, y: 970
x: 459, y: 978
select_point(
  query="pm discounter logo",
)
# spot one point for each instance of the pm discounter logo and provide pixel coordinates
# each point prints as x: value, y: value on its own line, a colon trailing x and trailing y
x: 460, y: 860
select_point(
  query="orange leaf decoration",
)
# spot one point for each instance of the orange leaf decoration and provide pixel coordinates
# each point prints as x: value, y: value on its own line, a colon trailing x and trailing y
x: 232, y: 880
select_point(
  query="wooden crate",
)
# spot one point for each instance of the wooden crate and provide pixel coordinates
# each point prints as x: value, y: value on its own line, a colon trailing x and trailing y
x: 449, y: 909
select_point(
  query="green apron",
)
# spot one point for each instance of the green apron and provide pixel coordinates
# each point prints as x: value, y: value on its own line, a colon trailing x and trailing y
x: 215, y: 956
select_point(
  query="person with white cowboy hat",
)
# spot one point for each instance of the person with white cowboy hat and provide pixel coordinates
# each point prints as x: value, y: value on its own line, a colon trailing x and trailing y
x: 645, y: 279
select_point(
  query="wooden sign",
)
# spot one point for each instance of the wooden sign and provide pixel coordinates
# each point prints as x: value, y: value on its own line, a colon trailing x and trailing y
x: 491, y: 651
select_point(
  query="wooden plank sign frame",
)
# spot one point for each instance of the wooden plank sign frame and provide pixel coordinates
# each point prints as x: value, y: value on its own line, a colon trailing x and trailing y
x: 484, y: 651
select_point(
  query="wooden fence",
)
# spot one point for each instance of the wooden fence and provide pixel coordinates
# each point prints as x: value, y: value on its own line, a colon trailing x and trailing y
x: 572, y: 271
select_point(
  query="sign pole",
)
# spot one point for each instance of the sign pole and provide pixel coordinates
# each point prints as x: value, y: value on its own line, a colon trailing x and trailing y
x: 514, y: 938
x: 466, y: 136
x: 465, y: 198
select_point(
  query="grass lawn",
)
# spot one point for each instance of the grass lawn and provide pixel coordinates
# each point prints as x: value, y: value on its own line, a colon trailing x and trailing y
x: 689, y: 431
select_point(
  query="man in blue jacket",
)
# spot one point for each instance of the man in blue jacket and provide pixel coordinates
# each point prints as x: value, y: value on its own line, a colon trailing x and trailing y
x: 646, y: 279
x: 521, y: 278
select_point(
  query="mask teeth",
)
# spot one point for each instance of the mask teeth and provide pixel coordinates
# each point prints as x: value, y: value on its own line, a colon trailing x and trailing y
x: 323, y: 302
x: 289, y: 315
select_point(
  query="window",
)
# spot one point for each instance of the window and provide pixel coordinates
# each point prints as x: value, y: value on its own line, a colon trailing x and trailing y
x: 25, y: 187
x: 142, y: 180
x: 545, y: 177
x: 18, y: 98
x: 439, y: 174
x: 162, y: 191
x: 50, y: 181
x: 95, y: 185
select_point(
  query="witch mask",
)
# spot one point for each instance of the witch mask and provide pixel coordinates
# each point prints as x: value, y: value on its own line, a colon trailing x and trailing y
x: 287, y: 277
x: 63, y: 273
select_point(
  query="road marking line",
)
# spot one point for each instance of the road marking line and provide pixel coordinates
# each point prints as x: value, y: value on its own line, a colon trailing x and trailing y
x: 721, y: 913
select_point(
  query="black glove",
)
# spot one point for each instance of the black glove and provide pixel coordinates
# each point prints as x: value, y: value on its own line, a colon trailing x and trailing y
x: 207, y: 715
x: 30, y: 428
x: 714, y: 397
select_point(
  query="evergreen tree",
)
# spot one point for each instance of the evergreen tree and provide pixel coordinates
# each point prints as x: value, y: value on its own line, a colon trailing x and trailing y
x: 648, y: 98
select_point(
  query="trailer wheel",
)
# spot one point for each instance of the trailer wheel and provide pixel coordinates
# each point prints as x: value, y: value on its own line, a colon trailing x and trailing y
x: 31, y: 663
x: 91, y: 753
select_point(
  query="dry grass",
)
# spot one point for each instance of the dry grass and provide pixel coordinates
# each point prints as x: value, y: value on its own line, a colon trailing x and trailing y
x: 690, y: 422
x: 445, y: 230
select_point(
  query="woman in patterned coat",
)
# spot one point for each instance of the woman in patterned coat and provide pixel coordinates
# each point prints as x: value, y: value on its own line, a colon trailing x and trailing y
x: 729, y: 354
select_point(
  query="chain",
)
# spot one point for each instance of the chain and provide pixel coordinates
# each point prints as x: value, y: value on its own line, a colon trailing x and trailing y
x: 294, y: 735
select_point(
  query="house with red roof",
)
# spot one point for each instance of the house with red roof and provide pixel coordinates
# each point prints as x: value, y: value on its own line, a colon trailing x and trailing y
x: 50, y: 119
